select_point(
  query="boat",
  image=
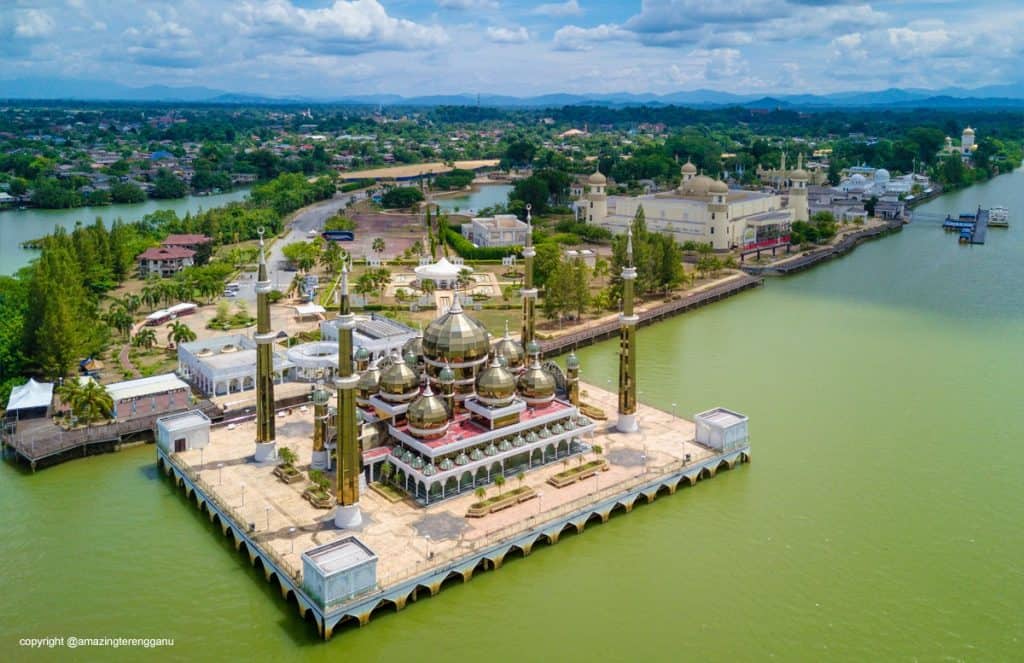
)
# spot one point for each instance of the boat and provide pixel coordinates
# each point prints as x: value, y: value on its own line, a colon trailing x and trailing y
x: 999, y: 217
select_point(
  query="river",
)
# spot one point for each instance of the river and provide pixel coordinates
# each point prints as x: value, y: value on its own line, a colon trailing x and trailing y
x: 880, y: 518
x: 17, y: 226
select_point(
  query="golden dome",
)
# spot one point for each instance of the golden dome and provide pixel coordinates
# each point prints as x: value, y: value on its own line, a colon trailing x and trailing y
x: 398, y: 380
x: 427, y: 415
x: 510, y: 350
x: 414, y: 345
x: 698, y: 186
x: 597, y: 178
x: 968, y: 131
x: 536, y: 385
x: 496, y: 385
x: 456, y: 337
x: 369, y: 381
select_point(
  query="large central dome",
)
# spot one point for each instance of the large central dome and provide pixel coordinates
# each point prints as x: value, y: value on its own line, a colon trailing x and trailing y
x: 456, y: 338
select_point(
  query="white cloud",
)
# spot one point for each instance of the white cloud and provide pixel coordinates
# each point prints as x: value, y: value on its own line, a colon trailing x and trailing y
x: 33, y: 24
x: 343, y: 27
x: 555, y: 9
x: 516, y: 35
x: 575, y: 38
x: 465, y: 5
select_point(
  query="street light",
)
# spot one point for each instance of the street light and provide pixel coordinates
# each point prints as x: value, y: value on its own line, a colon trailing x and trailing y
x: 427, y: 537
x: 268, y: 517
x: 243, y: 494
x: 540, y: 498
x: 291, y: 532
x: 674, y: 410
x: 201, y: 463
x: 220, y: 474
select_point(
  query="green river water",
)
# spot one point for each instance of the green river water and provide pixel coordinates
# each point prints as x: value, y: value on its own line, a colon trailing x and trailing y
x: 17, y: 226
x: 881, y: 518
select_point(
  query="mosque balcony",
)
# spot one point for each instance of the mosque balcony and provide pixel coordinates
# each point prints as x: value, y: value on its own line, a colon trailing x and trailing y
x: 540, y: 452
x: 465, y: 433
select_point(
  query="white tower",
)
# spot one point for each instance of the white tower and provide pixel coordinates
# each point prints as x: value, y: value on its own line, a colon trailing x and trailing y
x: 798, y: 191
x: 597, y: 199
x: 967, y: 142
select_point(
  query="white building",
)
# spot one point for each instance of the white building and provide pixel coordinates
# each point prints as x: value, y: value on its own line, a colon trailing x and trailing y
x: 443, y: 273
x: 497, y: 230
x: 701, y: 210
x: 376, y: 334
x: 183, y: 431
x: 226, y: 364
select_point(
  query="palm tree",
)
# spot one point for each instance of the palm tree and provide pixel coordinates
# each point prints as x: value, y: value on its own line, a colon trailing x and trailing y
x: 378, y: 245
x: 94, y: 403
x: 465, y: 277
x: 597, y: 449
x: 386, y: 471
x: 179, y: 333
x: 428, y: 287
x: 521, y: 477
x: 131, y: 303
x: 499, y: 481
x: 151, y: 295
x: 120, y: 319
x: 146, y: 338
x: 70, y: 393
x: 480, y: 493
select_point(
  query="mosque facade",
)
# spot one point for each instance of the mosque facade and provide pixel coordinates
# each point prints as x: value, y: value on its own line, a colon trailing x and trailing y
x: 702, y: 210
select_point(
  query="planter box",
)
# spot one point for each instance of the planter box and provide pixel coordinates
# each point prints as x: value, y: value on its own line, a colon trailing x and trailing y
x: 585, y: 471
x: 287, y: 474
x: 318, y: 500
x: 496, y: 503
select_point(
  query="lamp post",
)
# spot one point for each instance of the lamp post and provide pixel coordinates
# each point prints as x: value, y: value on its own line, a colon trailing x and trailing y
x: 243, y: 494
x: 201, y: 463
x: 268, y: 517
x: 674, y: 415
x: 291, y: 533
x: 540, y: 498
x: 220, y: 474
x: 427, y: 537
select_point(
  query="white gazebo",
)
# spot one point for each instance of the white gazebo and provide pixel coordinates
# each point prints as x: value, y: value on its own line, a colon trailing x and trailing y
x: 444, y: 274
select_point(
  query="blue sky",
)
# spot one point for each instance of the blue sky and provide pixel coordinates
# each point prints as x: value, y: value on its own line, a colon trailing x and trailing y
x: 517, y: 47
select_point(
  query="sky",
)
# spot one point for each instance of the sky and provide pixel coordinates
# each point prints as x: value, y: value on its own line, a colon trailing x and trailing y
x: 334, y: 48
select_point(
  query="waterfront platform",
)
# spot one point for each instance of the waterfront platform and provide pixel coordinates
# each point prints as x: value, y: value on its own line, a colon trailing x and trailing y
x: 420, y: 548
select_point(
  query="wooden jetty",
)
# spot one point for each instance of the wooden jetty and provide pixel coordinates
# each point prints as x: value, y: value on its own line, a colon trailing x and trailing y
x: 685, y: 303
x: 811, y: 258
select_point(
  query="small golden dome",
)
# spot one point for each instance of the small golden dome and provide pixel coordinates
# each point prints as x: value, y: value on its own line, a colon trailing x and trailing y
x: 398, y: 379
x: 496, y: 385
x: 536, y: 385
x: 510, y: 350
x: 718, y: 186
x: 427, y: 415
x: 369, y: 381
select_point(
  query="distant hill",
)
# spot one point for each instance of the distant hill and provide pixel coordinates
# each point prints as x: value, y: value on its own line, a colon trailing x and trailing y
x: 1003, y: 96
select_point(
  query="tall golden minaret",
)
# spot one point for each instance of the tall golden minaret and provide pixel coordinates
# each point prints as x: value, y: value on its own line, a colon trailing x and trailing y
x: 349, y: 466
x: 627, y: 345
x: 266, y: 446
x: 528, y: 292
x: 321, y: 424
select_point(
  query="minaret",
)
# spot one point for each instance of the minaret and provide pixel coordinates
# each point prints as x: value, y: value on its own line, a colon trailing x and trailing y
x: 627, y: 345
x: 798, y: 191
x: 572, y: 375
x: 528, y: 292
x: 349, y: 469
x: 266, y: 446
x: 321, y: 421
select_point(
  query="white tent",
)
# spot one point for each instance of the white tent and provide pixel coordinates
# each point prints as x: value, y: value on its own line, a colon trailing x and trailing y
x: 31, y: 395
x: 442, y: 272
x: 305, y: 310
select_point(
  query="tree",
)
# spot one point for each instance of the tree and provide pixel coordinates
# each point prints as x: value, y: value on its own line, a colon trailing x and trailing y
x: 301, y: 254
x: 402, y: 196
x: 126, y: 192
x: 120, y: 319
x: 521, y: 477
x: 499, y: 481
x: 480, y: 493
x: 508, y: 293
x: 179, y: 333
x: 88, y: 400
x: 287, y: 456
x: 167, y: 185
x: 464, y: 278
x: 428, y: 287
x: 146, y: 338
x: 387, y: 470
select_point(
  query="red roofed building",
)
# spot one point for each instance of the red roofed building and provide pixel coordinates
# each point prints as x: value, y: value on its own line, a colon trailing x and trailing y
x: 165, y: 260
x: 186, y: 241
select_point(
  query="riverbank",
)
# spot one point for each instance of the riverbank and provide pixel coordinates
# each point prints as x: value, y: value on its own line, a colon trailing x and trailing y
x: 808, y: 259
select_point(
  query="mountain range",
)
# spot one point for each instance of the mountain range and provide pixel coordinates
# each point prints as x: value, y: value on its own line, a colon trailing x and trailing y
x: 1003, y: 96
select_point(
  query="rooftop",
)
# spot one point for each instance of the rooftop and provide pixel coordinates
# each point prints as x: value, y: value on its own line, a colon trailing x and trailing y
x: 166, y: 253
x: 155, y: 384
x: 722, y: 417
x: 339, y: 555
x: 185, y: 240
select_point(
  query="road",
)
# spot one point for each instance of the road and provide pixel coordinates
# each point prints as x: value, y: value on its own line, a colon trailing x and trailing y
x: 310, y: 218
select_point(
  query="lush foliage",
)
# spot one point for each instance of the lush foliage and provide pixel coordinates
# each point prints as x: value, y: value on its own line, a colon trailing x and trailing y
x: 401, y: 196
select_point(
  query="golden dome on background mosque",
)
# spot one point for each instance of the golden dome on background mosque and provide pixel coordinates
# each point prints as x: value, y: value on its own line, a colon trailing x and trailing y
x: 718, y: 186
x: 495, y: 385
x: 456, y: 337
x: 688, y: 168
x: 399, y: 379
x: 597, y: 178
